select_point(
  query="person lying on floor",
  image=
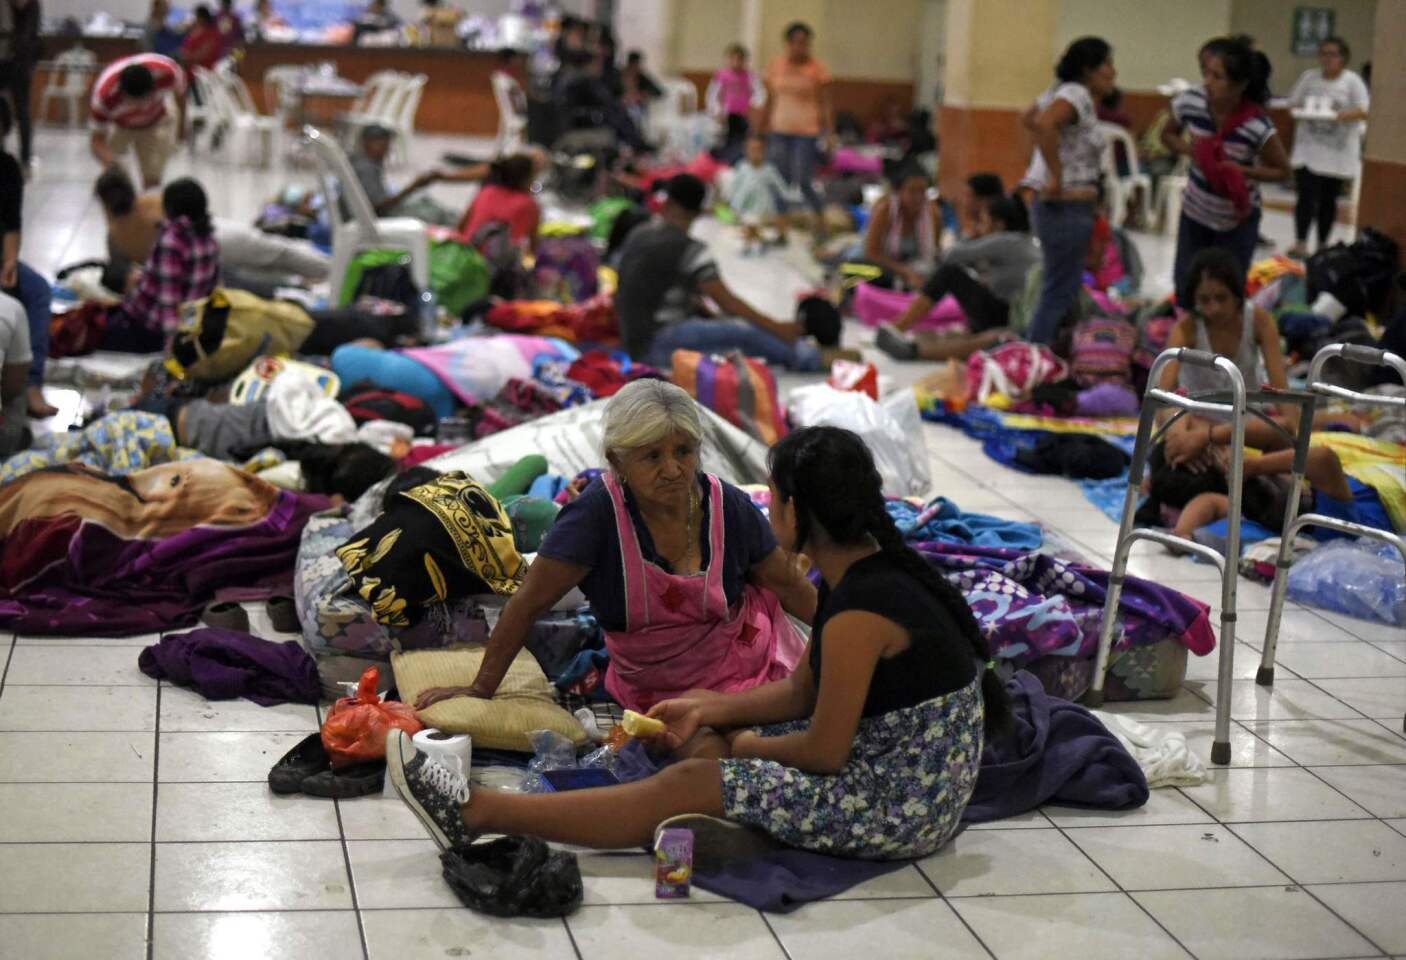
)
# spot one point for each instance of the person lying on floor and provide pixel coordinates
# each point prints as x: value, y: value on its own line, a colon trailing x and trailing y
x: 1199, y: 486
x: 251, y: 259
x: 870, y: 749
x: 663, y: 271
x: 985, y: 273
x: 686, y: 579
x: 170, y: 430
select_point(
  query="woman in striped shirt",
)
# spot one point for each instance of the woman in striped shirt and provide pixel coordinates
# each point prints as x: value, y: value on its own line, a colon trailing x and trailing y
x: 1224, y: 128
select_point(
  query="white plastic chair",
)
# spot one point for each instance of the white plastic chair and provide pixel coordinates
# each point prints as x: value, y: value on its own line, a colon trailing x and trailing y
x: 232, y: 109
x: 1123, y: 187
x: 512, y: 126
x: 248, y: 122
x: 364, y: 230
x: 400, y: 115
x: 281, y: 90
x: 1167, y: 203
x: 373, y: 107
x: 68, y: 84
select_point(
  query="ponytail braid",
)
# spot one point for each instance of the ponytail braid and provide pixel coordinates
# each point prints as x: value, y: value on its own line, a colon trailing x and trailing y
x: 883, y: 529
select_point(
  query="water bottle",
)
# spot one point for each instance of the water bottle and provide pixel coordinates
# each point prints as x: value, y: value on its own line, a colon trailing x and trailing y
x: 429, y: 317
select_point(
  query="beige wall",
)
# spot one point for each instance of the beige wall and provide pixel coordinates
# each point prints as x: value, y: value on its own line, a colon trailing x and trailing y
x: 1152, y: 41
x: 991, y: 65
x: 702, y: 30
x: 1386, y: 133
x: 1270, y: 22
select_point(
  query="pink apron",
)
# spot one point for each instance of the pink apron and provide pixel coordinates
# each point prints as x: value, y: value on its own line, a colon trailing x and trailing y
x: 679, y: 633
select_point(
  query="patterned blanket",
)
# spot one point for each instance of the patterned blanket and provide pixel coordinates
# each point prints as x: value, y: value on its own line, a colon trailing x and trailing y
x: 86, y: 553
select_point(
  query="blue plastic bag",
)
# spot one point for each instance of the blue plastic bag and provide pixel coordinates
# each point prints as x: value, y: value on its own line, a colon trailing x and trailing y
x: 1361, y: 578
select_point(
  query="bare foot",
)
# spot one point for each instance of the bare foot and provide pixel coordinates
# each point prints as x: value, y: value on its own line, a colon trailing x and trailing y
x: 39, y: 408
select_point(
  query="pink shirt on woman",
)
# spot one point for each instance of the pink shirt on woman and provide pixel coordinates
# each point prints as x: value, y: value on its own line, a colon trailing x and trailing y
x: 514, y: 207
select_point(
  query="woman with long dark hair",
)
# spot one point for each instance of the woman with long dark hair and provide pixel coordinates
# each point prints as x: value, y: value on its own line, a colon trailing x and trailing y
x: 1224, y: 128
x: 184, y: 265
x: 1064, y: 173
x: 870, y: 749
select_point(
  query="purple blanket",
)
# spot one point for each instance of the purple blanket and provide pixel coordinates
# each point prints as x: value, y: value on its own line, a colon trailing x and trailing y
x: 1057, y: 753
x: 1032, y: 605
x: 82, y: 553
x: 225, y: 664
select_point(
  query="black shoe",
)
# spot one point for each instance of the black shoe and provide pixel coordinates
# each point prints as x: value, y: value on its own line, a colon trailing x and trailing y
x: 896, y: 344
x: 306, y: 759
x: 283, y: 614
x: 226, y: 615
x: 358, y: 780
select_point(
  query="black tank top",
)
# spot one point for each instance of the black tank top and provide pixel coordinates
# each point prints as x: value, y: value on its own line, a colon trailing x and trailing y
x: 939, y: 657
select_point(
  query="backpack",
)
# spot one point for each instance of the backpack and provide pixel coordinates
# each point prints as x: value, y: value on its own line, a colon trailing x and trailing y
x: 1013, y: 369
x: 1102, y: 350
x: 365, y: 402
x: 384, y: 274
x: 221, y: 334
x: 1359, y: 275
x: 565, y: 269
x: 506, y: 277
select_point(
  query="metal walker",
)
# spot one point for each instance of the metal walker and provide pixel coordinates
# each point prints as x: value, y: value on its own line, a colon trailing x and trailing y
x: 1237, y: 405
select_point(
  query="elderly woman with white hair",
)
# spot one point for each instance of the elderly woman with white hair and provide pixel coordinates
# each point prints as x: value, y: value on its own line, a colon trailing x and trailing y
x: 683, y: 573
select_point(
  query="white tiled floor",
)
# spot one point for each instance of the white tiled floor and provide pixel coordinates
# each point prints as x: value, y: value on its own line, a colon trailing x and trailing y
x: 137, y: 824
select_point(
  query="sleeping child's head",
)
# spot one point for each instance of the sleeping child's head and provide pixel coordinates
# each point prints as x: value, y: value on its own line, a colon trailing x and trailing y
x: 1217, y: 284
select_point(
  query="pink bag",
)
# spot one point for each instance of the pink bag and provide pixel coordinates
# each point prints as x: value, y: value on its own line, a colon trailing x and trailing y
x: 1013, y: 369
x: 875, y: 305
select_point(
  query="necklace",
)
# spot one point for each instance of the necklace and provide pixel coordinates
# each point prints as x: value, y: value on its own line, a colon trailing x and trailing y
x: 687, y: 530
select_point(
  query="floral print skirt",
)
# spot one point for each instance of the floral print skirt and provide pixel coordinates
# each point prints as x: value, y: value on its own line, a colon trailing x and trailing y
x: 900, y: 794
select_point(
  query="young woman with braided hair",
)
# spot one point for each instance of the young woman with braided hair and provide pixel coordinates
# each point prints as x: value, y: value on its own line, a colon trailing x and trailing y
x: 869, y: 750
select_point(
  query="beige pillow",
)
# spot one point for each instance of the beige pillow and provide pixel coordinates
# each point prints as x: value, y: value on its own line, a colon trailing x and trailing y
x: 524, y: 702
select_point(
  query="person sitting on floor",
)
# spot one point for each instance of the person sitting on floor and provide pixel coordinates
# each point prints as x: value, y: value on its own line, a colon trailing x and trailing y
x: 369, y: 165
x: 754, y: 193
x: 506, y: 196
x: 986, y: 274
x: 662, y: 270
x: 184, y: 265
x: 1226, y: 323
x: 977, y: 191
x: 683, y: 574
x: 870, y: 749
x: 251, y: 259
x: 16, y: 277
x: 905, y: 230
x: 15, y: 356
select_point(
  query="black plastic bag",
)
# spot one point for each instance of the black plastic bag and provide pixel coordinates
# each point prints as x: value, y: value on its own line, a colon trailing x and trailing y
x: 514, y: 877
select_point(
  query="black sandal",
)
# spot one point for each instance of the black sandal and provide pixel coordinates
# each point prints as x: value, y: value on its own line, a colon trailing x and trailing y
x: 226, y: 615
x: 283, y: 614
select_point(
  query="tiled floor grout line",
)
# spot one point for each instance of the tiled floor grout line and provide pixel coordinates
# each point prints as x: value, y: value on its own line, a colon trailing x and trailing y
x: 9, y: 655
x: 346, y: 861
x: 155, y: 796
x: 942, y: 898
x: 780, y: 945
x: 1114, y: 880
x: 571, y: 938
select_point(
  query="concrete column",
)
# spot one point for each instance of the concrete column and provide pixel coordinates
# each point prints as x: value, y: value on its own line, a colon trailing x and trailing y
x: 1000, y: 55
x: 1383, y: 200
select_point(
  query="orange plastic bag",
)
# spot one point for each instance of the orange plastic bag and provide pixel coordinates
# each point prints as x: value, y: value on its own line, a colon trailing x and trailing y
x: 356, y: 727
